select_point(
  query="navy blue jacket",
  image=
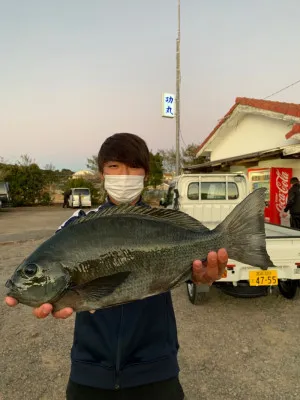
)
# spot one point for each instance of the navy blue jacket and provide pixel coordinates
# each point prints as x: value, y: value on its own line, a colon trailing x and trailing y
x: 293, y: 204
x: 125, y: 346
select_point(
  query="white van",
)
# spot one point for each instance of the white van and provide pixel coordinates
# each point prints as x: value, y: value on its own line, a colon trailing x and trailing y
x: 80, y: 197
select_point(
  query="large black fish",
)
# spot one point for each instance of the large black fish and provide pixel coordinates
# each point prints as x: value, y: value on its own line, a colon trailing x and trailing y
x: 126, y: 253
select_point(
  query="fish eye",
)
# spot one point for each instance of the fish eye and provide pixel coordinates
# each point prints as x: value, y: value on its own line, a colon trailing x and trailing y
x: 30, y: 270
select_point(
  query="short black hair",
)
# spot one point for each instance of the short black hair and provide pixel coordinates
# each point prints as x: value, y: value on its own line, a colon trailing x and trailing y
x: 294, y: 180
x: 127, y: 148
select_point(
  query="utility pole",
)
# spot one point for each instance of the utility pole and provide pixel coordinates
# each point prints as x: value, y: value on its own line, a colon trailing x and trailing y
x: 178, y: 79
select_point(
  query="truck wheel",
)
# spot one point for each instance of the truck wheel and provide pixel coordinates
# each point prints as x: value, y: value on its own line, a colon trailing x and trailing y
x: 288, y: 288
x: 195, y: 296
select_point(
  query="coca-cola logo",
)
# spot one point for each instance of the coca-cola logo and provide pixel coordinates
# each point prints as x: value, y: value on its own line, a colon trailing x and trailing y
x: 282, y: 186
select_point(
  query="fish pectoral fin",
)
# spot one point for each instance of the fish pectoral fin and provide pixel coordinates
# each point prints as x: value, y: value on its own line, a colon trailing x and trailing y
x: 101, y: 287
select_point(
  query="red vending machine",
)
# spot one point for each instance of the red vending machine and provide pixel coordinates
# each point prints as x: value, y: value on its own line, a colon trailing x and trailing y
x: 277, y: 182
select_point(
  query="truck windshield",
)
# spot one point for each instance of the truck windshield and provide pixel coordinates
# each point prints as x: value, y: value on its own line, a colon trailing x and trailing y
x: 83, y: 192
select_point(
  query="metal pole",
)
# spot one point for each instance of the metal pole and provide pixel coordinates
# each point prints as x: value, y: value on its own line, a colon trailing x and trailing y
x: 178, y: 93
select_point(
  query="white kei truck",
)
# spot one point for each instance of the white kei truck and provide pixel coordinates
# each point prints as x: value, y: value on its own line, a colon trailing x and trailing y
x: 210, y: 198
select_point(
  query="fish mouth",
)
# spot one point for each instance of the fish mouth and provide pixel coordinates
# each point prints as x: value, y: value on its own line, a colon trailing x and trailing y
x: 9, y: 284
x: 13, y: 289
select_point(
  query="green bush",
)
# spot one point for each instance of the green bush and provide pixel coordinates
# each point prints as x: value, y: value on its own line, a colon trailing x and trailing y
x: 46, y: 199
x: 26, y: 184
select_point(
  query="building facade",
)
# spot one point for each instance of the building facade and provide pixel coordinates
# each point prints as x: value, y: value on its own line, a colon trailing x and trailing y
x: 254, y: 133
x: 261, y: 139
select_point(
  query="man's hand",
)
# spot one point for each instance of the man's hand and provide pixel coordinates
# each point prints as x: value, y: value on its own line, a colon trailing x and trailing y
x: 44, y: 310
x: 211, y: 270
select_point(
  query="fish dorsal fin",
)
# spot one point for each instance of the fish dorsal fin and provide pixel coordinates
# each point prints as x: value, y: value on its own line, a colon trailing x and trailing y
x: 178, y: 218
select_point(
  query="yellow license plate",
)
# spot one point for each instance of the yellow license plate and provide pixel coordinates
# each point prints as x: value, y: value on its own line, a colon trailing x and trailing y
x: 263, y: 278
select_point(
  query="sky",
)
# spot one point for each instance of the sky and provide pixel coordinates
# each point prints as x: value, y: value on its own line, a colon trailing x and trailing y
x: 73, y: 72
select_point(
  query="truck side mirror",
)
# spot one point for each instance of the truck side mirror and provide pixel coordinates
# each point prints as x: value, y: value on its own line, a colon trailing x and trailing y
x: 176, y: 199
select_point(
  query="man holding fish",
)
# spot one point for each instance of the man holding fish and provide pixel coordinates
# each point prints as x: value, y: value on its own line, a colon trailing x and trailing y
x: 127, y: 351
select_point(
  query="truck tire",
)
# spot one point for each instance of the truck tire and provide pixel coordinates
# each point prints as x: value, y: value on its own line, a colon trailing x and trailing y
x: 195, y: 296
x: 288, y: 288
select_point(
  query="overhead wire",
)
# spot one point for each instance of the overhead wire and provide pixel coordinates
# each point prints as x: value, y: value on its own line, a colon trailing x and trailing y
x: 281, y: 90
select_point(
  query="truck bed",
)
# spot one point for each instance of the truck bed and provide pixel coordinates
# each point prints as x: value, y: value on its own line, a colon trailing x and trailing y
x: 279, y: 231
x: 283, y: 247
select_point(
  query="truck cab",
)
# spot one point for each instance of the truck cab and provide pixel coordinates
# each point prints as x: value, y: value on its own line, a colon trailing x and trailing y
x: 209, y: 198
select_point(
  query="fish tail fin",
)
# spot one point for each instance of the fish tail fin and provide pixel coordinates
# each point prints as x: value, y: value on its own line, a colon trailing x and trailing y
x: 244, y: 231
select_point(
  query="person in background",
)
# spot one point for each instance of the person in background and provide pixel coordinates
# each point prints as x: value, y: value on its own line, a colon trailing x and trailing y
x: 293, y: 203
x: 67, y: 195
x: 128, y: 352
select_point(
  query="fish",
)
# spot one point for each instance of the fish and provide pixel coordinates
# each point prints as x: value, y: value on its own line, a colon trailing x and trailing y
x: 126, y: 253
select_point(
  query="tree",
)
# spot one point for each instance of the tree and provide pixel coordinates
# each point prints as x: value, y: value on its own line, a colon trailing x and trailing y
x: 63, y: 176
x: 168, y: 159
x: 51, y: 174
x: 156, y: 170
x: 2, y: 173
x: 3, y: 160
x: 25, y: 160
x: 49, y: 167
x: 187, y: 157
x: 26, y: 183
x: 92, y: 163
x: 3, y: 163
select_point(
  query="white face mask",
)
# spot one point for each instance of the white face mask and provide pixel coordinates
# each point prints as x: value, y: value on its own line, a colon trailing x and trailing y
x: 124, y: 188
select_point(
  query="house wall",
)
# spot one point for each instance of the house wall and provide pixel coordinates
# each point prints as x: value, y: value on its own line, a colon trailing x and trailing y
x: 276, y: 162
x: 238, y: 168
x: 251, y: 134
x: 287, y: 163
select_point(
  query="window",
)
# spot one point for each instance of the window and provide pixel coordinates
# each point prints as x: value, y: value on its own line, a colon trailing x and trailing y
x: 193, y: 191
x: 84, y: 192
x: 233, y: 192
x: 212, y: 191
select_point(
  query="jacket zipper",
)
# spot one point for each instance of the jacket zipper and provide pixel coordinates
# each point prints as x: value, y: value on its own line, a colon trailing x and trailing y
x: 118, y: 358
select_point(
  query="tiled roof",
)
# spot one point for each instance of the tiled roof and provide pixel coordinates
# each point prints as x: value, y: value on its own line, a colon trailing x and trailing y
x: 268, y: 105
